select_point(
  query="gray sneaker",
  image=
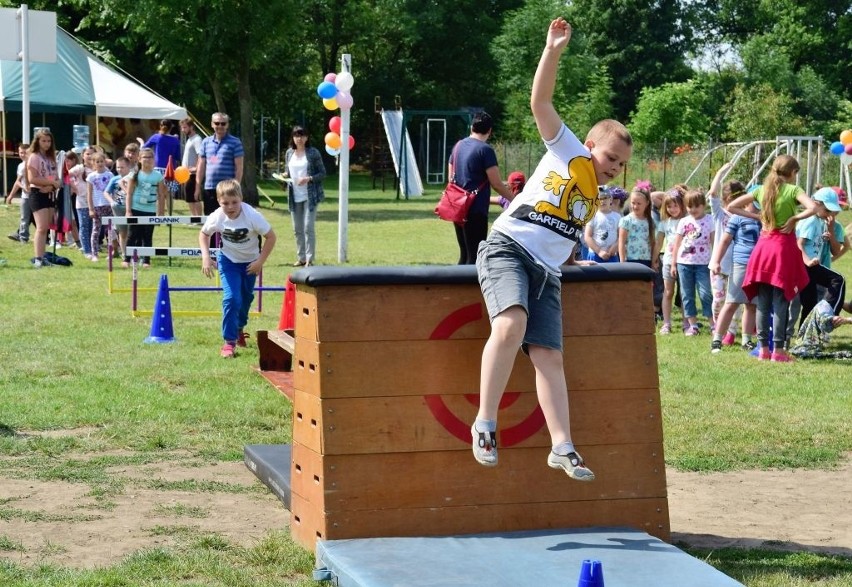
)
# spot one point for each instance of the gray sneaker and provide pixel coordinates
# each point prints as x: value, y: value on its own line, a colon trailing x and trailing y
x: 573, y: 464
x: 484, y: 447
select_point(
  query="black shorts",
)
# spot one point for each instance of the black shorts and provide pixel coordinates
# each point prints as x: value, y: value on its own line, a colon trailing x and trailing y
x: 211, y: 204
x: 189, y: 189
x: 40, y: 200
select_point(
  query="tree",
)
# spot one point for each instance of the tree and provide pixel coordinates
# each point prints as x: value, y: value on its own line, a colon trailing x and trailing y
x: 641, y: 44
x: 517, y: 50
x: 674, y: 111
x: 758, y: 112
x: 208, y: 38
x: 811, y: 32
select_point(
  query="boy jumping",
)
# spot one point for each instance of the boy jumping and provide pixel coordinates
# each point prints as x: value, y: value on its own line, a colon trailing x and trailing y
x: 519, y: 265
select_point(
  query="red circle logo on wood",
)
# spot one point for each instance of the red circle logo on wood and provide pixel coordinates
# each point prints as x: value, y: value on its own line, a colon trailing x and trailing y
x: 455, y: 425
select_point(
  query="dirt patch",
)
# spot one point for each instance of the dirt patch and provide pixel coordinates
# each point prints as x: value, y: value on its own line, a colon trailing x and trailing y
x: 789, y: 510
x: 56, y: 522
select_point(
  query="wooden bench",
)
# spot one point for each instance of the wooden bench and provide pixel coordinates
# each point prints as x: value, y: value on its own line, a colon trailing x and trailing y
x: 276, y: 348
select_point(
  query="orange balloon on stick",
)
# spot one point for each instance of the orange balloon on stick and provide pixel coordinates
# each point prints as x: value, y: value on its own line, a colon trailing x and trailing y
x: 182, y: 174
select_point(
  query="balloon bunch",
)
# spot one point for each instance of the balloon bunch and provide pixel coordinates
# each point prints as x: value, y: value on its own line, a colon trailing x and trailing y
x: 843, y: 147
x: 334, y: 91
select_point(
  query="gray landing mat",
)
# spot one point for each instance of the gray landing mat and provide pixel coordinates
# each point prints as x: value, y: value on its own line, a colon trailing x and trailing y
x: 271, y: 464
x: 516, y: 559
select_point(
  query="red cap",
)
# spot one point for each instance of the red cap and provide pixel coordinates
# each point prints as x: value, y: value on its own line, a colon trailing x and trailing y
x: 516, y: 177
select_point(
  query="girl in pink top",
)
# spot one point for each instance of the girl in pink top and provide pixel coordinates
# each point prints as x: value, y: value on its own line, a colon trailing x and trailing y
x: 43, y: 180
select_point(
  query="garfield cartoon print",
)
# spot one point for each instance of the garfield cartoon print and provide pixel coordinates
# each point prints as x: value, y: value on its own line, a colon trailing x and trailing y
x: 560, y: 196
x: 574, y: 205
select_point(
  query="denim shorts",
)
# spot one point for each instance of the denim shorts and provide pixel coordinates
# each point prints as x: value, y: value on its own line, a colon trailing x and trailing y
x: 735, y: 294
x: 509, y: 276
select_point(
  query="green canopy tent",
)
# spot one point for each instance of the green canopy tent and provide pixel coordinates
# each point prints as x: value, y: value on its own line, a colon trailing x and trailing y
x: 78, y: 84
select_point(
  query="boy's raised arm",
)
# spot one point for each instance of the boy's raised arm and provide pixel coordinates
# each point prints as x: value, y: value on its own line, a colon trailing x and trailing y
x: 541, y: 98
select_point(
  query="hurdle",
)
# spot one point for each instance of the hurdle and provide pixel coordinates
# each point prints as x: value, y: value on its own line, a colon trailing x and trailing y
x: 112, y: 221
x: 137, y: 252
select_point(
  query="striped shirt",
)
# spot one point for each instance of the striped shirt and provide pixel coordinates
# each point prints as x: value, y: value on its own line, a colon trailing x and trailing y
x: 220, y: 159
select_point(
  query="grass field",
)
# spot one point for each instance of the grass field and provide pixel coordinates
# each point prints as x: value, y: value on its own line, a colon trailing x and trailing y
x: 73, y: 359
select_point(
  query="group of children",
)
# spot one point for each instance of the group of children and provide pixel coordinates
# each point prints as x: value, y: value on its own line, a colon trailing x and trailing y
x: 84, y: 182
x: 708, y: 255
x: 85, y: 188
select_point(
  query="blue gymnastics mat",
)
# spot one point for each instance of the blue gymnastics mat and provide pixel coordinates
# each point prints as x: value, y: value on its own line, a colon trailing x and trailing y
x: 515, y: 559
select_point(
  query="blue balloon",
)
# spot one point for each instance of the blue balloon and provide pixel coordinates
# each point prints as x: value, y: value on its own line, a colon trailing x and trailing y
x: 326, y: 90
x: 836, y: 148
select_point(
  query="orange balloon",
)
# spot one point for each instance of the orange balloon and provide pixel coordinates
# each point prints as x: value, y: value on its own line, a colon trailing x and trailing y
x: 332, y: 139
x: 182, y: 174
x: 846, y: 137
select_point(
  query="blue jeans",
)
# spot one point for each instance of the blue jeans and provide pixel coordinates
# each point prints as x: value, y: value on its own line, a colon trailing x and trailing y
x: 84, y: 224
x: 691, y: 276
x: 237, y: 296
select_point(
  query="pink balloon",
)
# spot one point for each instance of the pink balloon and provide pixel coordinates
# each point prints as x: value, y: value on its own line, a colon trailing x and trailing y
x: 344, y: 100
x: 330, y: 77
x: 334, y: 124
x: 351, y: 142
x: 848, y: 149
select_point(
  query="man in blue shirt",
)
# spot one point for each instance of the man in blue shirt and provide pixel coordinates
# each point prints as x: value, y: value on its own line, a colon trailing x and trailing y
x: 221, y: 157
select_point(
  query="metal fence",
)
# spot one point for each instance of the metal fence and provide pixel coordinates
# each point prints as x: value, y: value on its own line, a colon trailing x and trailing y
x: 664, y: 165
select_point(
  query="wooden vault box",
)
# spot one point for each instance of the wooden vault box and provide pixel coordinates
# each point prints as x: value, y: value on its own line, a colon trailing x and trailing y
x: 386, y: 380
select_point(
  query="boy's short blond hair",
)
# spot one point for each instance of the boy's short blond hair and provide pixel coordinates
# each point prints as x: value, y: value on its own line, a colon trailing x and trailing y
x: 229, y: 187
x: 609, y: 129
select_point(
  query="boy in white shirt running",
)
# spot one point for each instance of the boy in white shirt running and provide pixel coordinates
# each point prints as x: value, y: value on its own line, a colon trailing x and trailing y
x: 241, y: 258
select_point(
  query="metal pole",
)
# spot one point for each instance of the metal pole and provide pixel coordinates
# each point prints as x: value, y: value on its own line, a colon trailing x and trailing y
x: 23, y: 12
x: 278, y: 166
x: 343, y: 187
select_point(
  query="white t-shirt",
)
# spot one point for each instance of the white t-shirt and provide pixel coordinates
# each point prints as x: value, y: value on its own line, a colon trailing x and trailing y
x: 22, y: 179
x: 79, y: 185
x: 190, y: 151
x: 548, y: 216
x: 720, y: 223
x: 239, y: 236
x: 696, y: 246
x: 298, y: 168
x: 99, y: 182
x: 605, y: 229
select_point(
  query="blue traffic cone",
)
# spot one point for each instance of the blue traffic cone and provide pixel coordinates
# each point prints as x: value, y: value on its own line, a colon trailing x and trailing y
x: 591, y: 574
x: 161, y: 321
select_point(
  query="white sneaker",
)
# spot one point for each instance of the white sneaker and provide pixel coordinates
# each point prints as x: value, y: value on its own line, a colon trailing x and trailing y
x: 94, y: 258
x: 573, y: 464
x: 484, y: 447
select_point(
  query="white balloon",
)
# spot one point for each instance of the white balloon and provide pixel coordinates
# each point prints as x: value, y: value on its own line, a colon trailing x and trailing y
x: 344, y: 81
x: 846, y: 159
